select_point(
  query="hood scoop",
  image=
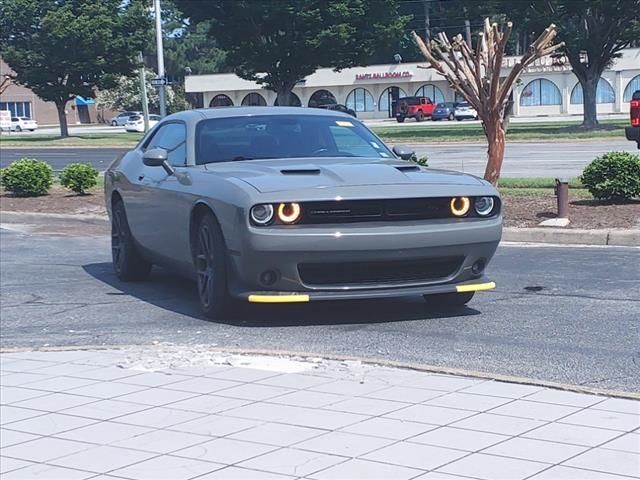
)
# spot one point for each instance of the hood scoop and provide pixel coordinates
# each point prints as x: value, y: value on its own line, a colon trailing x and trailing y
x: 407, y: 168
x: 300, y: 171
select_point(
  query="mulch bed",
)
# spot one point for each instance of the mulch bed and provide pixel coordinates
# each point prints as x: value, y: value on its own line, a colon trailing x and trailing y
x: 519, y: 211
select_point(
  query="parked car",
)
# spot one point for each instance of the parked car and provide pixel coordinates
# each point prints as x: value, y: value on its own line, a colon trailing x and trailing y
x: 464, y: 111
x: 122, y: 118
x: 414, y: 107
x: 284, y: 205
x: 337, y: 107
x: 136, y: 123
x: 20, y: 124
x: 444, y: 111
x: 633, y: 132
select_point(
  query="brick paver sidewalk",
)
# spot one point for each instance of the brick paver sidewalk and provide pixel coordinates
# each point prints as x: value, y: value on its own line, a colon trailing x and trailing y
x: 171, y: 413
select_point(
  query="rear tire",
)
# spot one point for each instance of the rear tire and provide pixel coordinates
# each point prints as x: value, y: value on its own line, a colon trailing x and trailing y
x: 449, y: 300
x: 128, y: 264
x: 114, y: 123
x: 452, y: 117
x: 211, y: 267
x: 400, y: 119
x: 459, y: 119
x: 18, y: 128
x: 419, y: 116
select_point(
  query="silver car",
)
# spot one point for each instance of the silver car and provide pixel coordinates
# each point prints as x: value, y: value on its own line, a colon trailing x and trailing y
x: 283, y: 205
x: 122, y: 118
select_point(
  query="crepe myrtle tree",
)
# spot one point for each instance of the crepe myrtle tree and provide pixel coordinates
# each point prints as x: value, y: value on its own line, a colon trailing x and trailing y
x: 278, y: 43
x: 476, y: 74
x: 64, y: 48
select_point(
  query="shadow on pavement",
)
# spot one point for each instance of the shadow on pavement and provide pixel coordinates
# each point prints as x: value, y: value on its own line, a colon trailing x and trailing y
x: 174, y: 293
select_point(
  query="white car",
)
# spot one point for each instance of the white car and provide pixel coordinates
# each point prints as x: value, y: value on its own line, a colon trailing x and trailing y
x: 464, y: 110
x: 122, y: 118
x: 20, y: 124
x: 136, y: 123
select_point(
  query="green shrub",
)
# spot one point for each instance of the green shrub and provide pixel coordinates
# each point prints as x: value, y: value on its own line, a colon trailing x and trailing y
x: 79, y: 177
x: 27, y: 177
x: 424, y: 161
x: 614, y: 176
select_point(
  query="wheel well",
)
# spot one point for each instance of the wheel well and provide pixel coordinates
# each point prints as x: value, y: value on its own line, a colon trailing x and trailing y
x: 196, y: 214
x: 115, y: 198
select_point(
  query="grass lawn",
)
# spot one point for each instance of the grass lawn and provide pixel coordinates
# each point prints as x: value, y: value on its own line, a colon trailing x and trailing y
x: 472, y: 132
x: 82, y: 140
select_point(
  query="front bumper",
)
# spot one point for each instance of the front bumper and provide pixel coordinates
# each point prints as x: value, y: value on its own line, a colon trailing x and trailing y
x: 284, y: 250
x: 633, y: 134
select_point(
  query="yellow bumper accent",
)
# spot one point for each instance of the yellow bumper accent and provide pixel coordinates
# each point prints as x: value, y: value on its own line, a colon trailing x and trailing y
x: 475, y: 287
x: 278, y: 298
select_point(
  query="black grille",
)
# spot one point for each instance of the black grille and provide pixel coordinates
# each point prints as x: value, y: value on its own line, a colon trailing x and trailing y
x: 349, y: 211
x: 388, y: 272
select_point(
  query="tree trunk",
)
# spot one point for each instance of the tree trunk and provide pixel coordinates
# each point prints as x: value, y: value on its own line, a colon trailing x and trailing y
x: 62, y: 118
x: 284, y: 96
x: 496, y: 137
x: 589, y: 88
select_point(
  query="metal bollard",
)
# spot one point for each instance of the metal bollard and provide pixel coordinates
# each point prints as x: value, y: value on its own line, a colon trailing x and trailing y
x: 562, y: 194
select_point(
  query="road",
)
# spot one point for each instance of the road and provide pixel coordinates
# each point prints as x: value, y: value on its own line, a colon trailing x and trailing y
x: 556, y: 159
x: 561, y: 314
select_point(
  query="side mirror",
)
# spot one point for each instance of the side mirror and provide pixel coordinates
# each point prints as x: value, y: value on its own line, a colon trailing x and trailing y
x: 157, y: 157
x: 404, y: 152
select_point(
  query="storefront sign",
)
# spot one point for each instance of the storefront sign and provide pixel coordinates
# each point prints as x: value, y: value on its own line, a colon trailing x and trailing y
x: 5, y: 120
x: 383, y: 75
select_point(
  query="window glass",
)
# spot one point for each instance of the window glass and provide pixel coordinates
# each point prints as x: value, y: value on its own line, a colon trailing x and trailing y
x: 254, y: 99
x: 322, y: 97
x: 432, y: 92
x: 360, y: 100
x: 17, y: 109
x: 383, y: 103
x: 604, y: 93
x: 221, y: 100
x: 284, y: 136
x: 632, y: 86
x: 172, y: 137
x: 540, y: 92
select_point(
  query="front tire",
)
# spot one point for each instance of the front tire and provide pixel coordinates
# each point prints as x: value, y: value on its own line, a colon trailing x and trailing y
x: 211, y: 267
x: 400, y: 119
x: 452, y: 117
x: 18, y: 128
x: 419, y: 116
x: 449, y: 300
x: 128, y: 264
x: 114, y: 123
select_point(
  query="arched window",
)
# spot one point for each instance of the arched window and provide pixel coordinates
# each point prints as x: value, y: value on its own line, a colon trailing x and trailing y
x: 294, y: 100
x: 322, y: 97
x: 383, y: 103
x: 360, y: 100
x: 540, y: 92
x: 432, y: 92
x: 604, y: 93
x: 254, y: 99
x: 632, y: 86
x: 221, y: 100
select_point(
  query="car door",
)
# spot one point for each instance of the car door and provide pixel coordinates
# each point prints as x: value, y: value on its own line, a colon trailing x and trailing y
x: 163, y: 202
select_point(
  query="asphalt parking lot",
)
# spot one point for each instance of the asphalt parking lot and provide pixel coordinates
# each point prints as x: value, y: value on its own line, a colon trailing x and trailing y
x: 563, y: 314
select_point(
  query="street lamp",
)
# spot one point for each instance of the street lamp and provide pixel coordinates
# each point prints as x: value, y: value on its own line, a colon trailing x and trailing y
x: 159, y: 48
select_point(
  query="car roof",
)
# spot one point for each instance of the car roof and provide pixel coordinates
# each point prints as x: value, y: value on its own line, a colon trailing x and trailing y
x: 226, y: 112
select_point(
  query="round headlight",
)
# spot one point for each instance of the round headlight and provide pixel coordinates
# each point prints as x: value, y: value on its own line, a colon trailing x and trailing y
x: 484, y: 206
x: 262, y: 214
x: 460, y: 206
x: 289, y: 212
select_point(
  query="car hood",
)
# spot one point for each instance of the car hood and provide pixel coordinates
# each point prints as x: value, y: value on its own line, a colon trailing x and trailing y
x: 279, y: 175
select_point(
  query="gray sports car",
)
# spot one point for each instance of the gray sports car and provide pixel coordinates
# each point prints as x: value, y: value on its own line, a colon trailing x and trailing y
x: 279, y: 205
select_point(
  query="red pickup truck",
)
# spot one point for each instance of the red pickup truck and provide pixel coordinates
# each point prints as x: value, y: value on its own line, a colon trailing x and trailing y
x: 633, y: 132
x: 414, y: 107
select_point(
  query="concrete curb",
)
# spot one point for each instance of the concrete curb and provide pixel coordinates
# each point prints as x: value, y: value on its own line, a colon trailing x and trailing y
x: 560, y: 236
x: 381, y: 362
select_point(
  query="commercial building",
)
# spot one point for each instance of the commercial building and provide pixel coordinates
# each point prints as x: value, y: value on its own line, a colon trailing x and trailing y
x: 547, y: 88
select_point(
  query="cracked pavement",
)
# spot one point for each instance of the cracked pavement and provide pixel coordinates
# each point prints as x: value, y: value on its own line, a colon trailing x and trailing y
x: 562, y: 314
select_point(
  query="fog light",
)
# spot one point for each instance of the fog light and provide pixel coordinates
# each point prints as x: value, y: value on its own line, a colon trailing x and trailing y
x: 460, y: 206
x: 289, y: 212
x: 484, y: 206
x: 269, y: 277
x: 479, y: 266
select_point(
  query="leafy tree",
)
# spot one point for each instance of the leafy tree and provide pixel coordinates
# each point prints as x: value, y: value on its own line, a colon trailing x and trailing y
x: 594, y: 33
x: 64, y: 48
x: 279, y: 43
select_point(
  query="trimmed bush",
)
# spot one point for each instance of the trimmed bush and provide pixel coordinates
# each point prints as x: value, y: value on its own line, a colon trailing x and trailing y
x: 27, y: 177
x: 614, y: 176
x: 79, y: 177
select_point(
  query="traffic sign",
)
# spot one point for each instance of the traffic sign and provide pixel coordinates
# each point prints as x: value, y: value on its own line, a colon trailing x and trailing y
x: 157, y: 82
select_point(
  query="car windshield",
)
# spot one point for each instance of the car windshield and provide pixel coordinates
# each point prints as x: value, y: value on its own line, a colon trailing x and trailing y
x: 464, y: 105
x: 284, y: 136
x: 135, y: 118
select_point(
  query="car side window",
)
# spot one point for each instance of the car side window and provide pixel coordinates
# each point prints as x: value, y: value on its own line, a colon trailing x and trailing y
x: 172, y: 137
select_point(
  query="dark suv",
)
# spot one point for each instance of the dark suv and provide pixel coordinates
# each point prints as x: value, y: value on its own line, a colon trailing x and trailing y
x: 338, y: 108
x: 414, y: 107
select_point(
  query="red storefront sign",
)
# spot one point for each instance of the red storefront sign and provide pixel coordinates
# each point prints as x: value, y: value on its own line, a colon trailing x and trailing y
x: 383, y: 75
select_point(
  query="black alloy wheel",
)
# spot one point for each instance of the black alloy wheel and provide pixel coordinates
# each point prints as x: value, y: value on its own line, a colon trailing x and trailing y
x: 128, y: 263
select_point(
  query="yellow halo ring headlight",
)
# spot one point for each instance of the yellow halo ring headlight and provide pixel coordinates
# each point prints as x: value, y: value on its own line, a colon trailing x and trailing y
x: 289, y: 213
x: 460, y: 206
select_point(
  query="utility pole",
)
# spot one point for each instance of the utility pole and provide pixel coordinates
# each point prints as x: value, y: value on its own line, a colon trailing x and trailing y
x: 161, y: 74
x: 143, y: 93
x: 467, y: 28
x: 427, y: 20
